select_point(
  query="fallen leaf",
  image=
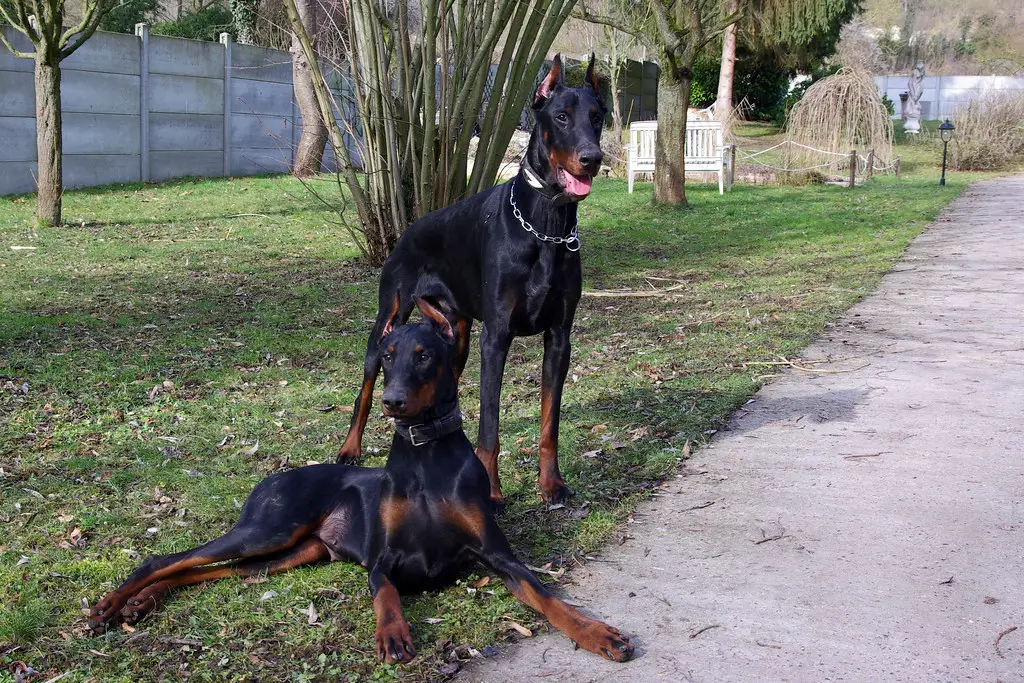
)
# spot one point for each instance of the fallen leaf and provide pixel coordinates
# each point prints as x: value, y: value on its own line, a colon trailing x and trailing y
x: 250, y: 451
x: 519, y: 628
x: 310, y: 613
x: 449, y: 669
x: 686, y: 449
x: 432, y: 620
x: 593, y: 454
x: 481, y: 582
x: 268, y: 595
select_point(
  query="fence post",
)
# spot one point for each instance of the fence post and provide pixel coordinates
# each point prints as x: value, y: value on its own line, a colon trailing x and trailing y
x: 853, y: 167
x: 869, y: 171
x: 732, y: 165
x: 898, y: 160
x: 142, y: 31
x: 225, y: 40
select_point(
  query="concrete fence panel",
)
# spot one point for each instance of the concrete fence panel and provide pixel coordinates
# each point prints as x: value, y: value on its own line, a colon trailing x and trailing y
x: 141, y: 107
x: 17, y: 94
x: 185, y: 132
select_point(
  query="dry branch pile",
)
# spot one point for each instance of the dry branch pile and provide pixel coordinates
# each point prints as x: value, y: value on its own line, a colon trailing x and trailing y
x: 989, y: 132
x: 840, y: 113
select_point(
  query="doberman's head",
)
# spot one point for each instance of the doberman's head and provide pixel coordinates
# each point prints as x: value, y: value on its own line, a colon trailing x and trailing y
x: 416, y: 360
x: 565, y: 148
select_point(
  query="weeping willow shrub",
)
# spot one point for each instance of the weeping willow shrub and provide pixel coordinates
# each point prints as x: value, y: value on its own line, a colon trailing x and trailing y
x: 989, y: 133
x: 837, y: 114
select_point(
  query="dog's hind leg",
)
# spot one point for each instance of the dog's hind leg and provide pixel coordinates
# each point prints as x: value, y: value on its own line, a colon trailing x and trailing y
x: 309, y: 551
x: 246, y: 539
x: 390, y: 315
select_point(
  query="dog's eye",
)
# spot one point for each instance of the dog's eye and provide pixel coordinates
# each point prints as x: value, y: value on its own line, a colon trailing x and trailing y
x: 424, y: 357
x: 562, y: 118
x: 596, y: 119
x: 386, y: 357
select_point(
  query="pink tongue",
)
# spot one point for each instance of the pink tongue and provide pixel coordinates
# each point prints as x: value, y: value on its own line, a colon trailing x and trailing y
x: 576, y: 186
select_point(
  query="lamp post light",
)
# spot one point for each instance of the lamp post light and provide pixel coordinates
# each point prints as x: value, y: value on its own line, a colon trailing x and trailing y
x: 946, y: 131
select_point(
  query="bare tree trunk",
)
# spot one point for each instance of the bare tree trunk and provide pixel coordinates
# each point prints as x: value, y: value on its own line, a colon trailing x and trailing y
x: 310, y: 154
x: 723, y: 104
x: 49, y: 144
x: 616, y: 70
x: 673, y: 100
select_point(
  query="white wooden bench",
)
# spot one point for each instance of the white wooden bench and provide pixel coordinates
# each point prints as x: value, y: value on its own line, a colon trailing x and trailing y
x: 705, y: 150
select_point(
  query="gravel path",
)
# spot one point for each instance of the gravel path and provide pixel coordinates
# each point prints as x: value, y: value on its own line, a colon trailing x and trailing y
x: 867, y: 518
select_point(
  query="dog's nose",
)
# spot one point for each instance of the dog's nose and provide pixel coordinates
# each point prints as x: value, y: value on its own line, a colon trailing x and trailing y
x: 591, y: 158
x: 393, y: 404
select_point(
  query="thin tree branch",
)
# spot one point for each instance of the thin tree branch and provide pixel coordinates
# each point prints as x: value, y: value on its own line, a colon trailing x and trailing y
x: 92, y: 14
x: 10, y: 46
x: 586, y: 15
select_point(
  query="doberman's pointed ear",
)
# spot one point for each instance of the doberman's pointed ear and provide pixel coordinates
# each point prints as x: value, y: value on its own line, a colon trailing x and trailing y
x: 591, y: 77
x: 591, y: 80
x: 549, y: 82
x: 393, y: 320
x: 439, y: 320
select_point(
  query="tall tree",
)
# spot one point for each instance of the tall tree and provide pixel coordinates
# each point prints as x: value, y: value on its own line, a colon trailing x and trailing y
x: 677, y: 31
x: 42, y: 22
x: 421, y: 75
x: 798, y: 32
x: 727, y: 70
x: 310, y: 153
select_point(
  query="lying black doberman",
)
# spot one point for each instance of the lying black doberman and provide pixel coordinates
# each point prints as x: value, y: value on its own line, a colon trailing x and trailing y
x: 415, y: 524
x: 508, y: 256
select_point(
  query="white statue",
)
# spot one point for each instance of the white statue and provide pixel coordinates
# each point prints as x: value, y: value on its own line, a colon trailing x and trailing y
x: 915, y: 88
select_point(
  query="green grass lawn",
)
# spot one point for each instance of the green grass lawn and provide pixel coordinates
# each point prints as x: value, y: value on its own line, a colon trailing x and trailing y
x: 164, y: 353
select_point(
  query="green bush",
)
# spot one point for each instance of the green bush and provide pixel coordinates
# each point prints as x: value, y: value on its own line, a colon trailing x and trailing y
x: 759, y: 81
x: 704, y: 88
x: 123, y: 16
x: 763, y: 84
x: 207, y: 24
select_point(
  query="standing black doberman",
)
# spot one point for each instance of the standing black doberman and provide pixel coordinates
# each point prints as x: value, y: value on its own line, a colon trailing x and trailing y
x: 415, y: 524
x: 508, y: 256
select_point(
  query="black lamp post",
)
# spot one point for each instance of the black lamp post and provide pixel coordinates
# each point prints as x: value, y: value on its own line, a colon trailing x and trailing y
x: 946, y: 131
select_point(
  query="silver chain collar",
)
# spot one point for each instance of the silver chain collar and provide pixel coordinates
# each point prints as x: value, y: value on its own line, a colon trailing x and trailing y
x: 572, y: 242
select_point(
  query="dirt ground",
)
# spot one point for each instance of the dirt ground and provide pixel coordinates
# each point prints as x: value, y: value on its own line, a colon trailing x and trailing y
x: 862, y: 519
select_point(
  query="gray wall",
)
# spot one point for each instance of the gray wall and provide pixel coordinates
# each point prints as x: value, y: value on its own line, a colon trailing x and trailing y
x: 148, y: 107
x: 943, y: 95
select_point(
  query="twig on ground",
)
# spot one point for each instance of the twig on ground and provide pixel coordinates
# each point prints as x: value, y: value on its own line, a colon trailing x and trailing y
x: 776, y: 537
x: 865, y: 455
x: 183, y: 641
x: 701, y: 630
x: 774, y: 647
x: 243, y: 215
x: 701, y: 506
x: 1000, y: 637
x: 946, y: 582
x: 667, y: 291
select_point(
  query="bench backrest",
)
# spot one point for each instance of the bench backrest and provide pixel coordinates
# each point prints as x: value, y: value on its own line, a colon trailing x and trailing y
x: 704, y: 142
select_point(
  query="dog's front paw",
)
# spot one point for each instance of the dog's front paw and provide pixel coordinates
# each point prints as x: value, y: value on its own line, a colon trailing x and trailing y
x: 348, y: 456
x: 606, y: 641
x: 394, y: 642
x: 555, y: 492
x: 105, y: 613
x: 144, y: 602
